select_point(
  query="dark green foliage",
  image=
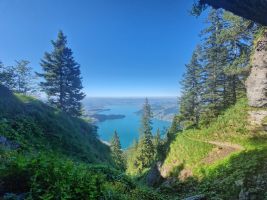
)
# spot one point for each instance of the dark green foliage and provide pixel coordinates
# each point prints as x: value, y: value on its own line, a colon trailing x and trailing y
x: 237, y: 36
x: 214, y: 59
x: 191, y: 86
x: 175, y: 128
x: 158, y: 145
x: 161, y: 146
x: 116, y: 152
x: 146, y: 123
x: 145, y: 151
x: 46, y: 176
x: 215, y: 77
x: 62, y: 77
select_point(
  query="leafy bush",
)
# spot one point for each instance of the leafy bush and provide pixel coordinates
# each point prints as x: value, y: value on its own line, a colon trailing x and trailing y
x: 49, y: 177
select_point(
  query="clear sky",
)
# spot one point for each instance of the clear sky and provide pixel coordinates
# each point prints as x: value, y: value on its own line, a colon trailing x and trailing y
x: 125, y: 47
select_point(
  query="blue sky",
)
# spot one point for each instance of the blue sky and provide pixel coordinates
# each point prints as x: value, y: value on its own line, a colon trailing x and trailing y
x: 126, y: 48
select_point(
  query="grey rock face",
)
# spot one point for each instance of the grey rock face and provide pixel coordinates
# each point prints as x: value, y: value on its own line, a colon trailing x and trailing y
x: 256, y: 117
x: 257, y: 81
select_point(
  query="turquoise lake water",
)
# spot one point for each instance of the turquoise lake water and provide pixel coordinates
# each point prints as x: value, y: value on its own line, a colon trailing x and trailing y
x: 128, y: 127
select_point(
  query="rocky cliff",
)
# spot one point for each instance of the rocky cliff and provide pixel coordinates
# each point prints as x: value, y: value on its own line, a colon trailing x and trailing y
x: 257, y: 81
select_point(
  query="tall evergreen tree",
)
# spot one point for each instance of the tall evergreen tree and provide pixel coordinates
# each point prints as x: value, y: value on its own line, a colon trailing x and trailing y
x: 157, y: 138
x: 191, y: 87
x: 237, y: 36
x: 175, y: 128
x: 62, y: 77
x: 146, y: 151
x: 213, y: 76
x: 159, y: 146
x: 116, y: 152
x: 214, y: 79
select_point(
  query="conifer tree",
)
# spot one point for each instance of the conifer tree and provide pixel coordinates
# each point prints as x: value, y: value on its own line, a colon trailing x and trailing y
x: 62, y: 77
x: 191, y: 87
x: 214, y: 61
x: 157, y: 138
x: 237, y: 36
x: 146, y: 151
x: 158, y: 145
x: 175, y: 127
x: 116, y: 152
x: 214, y: 79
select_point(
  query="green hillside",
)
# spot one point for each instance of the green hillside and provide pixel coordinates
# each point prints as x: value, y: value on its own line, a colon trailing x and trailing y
x: 46, y: 154
x: 33, y: 125
x: 222, y: 160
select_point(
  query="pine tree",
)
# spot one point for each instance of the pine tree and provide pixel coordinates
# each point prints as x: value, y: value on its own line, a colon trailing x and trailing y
x: 157, y: 138
x: 174, y: 129
x: 116, y: 152
x: 62, y: 77
x: 191, y: 86
x: 214, y: 61
x: 158, y: 145
x: 146, y: 152
x: 214, y: 79
x: 237, y: 36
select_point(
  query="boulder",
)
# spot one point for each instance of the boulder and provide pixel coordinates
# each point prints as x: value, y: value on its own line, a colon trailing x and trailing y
x: 257, y: 117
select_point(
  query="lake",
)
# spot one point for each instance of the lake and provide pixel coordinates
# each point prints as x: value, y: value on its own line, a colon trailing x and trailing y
x: 128, y: 127
x: 163, y: 108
